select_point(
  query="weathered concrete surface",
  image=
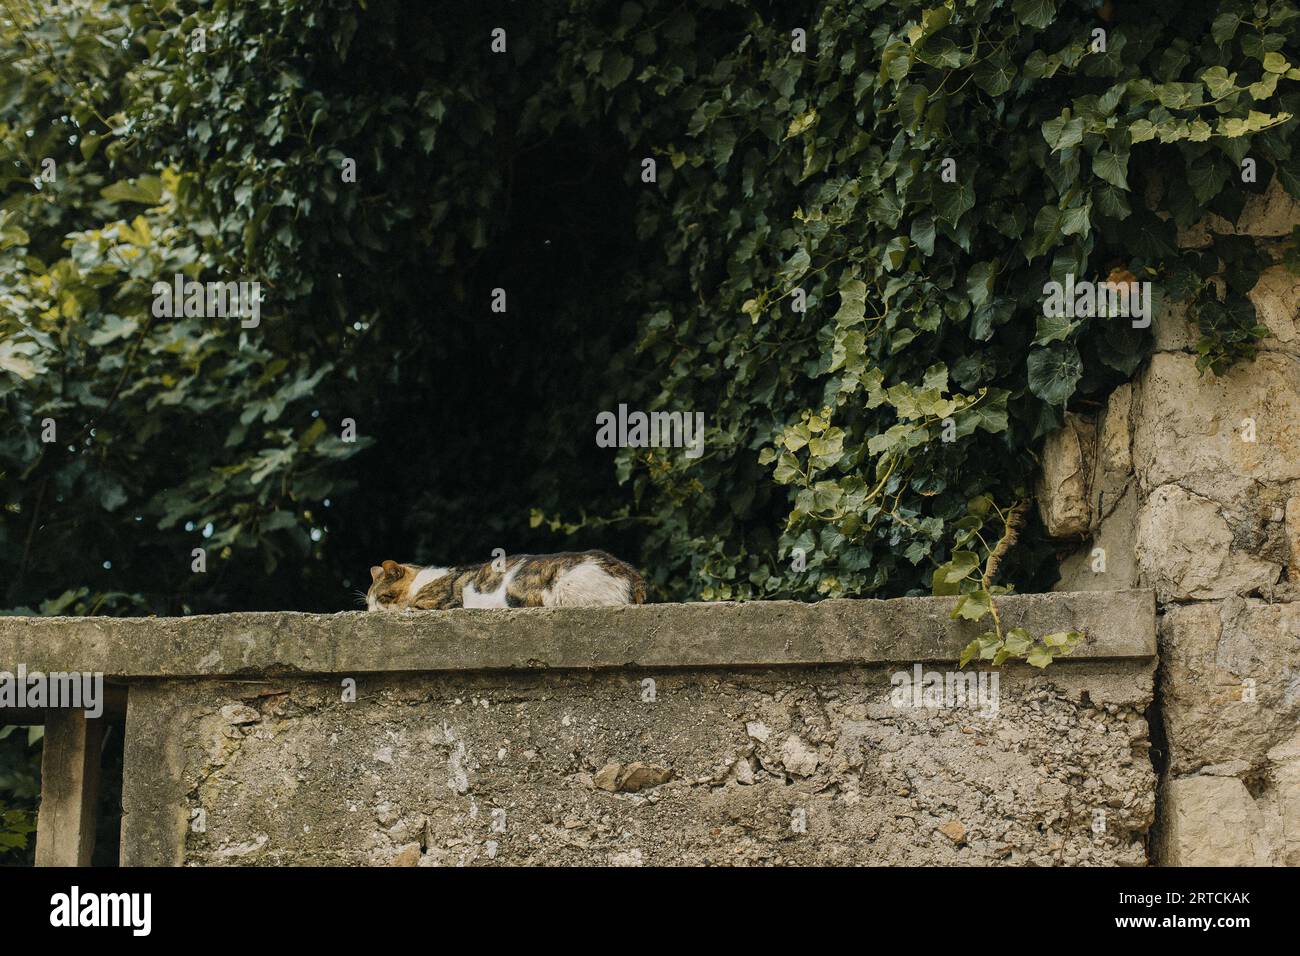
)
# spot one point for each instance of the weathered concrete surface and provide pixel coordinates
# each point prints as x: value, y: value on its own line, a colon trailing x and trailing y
x: 770, y: 766
x: 154, y: 812
x: 726, y: 733
x: 658, y: 635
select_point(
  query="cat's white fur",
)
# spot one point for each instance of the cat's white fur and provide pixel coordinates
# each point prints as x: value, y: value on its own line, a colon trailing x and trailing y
x: 426, y: 576
x: 470, y: 597
x: 587, y: 585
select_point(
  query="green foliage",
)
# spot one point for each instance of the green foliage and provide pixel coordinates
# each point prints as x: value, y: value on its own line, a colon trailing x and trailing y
x: 970, y: 579
x: 833, y: 184
x: 183, y: 433
x: 16, y: 826
x: 782, y: 177
x: 20, y: 763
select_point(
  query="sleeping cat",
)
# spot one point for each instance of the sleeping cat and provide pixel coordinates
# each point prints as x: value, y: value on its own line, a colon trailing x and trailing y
x: 570, y: 579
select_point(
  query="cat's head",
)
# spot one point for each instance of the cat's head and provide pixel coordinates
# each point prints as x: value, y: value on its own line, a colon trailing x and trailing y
x: 390, y: 586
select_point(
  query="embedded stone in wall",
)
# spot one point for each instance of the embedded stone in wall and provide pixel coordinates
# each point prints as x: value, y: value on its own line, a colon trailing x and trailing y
x: 1230, y: 686
x: 1272, y: 213
x: 1218, y: 436
x: 1185, y: 550
x: 1114, y: 456
x: 1171, y: 326
x: 1277, y: 304
x: 1063, y: 489
x: 1211, y: 821
x: 1108, y: 561
x: 1231, y: 681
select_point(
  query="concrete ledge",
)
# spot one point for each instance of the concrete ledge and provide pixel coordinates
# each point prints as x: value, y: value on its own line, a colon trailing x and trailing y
x: 1117, y: 625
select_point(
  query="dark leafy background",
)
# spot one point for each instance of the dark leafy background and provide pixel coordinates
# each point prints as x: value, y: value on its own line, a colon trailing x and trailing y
x: 777, y: 170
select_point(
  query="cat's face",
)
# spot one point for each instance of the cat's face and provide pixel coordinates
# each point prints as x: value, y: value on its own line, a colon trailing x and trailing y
x: 390, y: 587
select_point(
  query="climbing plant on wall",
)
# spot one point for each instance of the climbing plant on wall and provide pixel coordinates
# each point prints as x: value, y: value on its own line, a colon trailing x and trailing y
x: 840, y: 260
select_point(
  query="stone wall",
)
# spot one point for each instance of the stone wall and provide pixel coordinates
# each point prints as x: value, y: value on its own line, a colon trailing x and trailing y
x: 763, y: 733
x: 1189, y: 484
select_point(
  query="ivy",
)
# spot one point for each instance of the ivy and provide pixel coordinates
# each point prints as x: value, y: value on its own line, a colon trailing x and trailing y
x: 917, y: 270
x: 840, y: 262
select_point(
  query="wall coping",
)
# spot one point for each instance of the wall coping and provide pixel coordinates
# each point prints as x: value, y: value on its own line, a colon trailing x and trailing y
x: 1116, y: 624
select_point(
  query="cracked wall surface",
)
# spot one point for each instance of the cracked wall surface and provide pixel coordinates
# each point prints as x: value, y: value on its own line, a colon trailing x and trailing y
x: 769, y: 732
x: 750, y: 767
x: 1189, y: 484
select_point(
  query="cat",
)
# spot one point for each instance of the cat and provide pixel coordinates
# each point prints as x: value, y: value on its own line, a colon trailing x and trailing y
x: 569, y: 579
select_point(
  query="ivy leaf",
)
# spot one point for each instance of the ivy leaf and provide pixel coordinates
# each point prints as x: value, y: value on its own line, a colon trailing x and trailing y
x: 985, y: 319
x: 1054, y: 372
x: 1062, y: 642
x: 947, y: 577
x: 979, y: 282
x: 853, y: 303
x: 895, y: 252
x: 797, y: 265
x: 11, y: 360
x: 1046, y: 232
x: 1039, y: 656
x: 1218, y: 81
x: 1034, y: 13
x: 990, y: 646
x: 801, y: 123
x: 616, y: 68
x: 911, y: 104
x: 972, y: 606
x: 1053, y: 328
x: 994, y: 74
x: 146, y: 189
x: 1077, y: 220
x: 1141, y: 130
x: 1064, y: 131
x: 1112, y: 167
x: 990, y: 414
x: 895, y: 62
x: 1224, y: 26
x: 968, y: 652
x: 952, y: 200
x: 787, y: 469
x: 1206, y: 176
x: 1018, y: 641
x: 922, y: 233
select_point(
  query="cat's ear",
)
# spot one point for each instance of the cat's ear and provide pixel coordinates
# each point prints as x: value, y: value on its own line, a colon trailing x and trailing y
x: 392, y: 570
x: 375, y: 571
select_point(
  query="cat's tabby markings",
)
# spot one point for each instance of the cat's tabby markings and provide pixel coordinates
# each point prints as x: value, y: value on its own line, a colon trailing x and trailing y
x: 570, y: 579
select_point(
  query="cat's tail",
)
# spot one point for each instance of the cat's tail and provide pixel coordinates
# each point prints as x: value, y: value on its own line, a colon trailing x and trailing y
x: 638, y: 590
